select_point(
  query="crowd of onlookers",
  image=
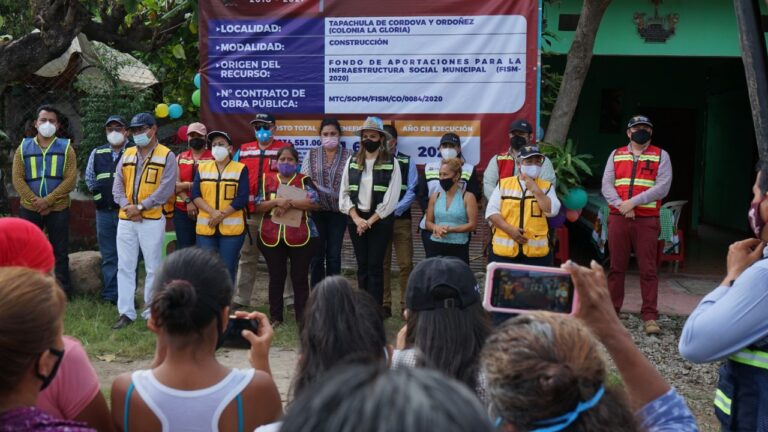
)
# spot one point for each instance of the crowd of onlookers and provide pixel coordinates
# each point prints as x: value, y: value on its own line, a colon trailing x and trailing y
x: 450, y: 369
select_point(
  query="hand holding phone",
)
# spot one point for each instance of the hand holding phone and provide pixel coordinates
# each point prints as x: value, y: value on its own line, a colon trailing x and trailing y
x: 519, y: 288
x: 233, y: 335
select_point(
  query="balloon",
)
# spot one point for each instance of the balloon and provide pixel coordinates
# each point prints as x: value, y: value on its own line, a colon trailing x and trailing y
x: 572, y: 215
x: 161, y: 110
x: 196, y: 97
x: 197, y: 80
x: 557, y: 220
x: 576, y: 199
x: 182, y: 133
x: 175, y: 111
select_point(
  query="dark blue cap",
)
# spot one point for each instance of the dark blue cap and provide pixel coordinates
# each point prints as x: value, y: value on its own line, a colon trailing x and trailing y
x: 530, y: 150
x: 520, y: 125
x: 143, y: 119
x: 441, y: 283
x: 116, y: 119
x: 639, y: 119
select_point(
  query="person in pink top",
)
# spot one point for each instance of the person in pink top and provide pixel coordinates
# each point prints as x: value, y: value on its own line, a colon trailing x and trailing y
x: 75, y: 393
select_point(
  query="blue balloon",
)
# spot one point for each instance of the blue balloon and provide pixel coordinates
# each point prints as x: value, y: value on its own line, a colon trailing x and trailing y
x: 175, y: 111
x: 197, y: 80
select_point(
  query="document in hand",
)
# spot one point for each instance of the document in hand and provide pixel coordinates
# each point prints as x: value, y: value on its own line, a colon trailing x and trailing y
x: 292, y: 216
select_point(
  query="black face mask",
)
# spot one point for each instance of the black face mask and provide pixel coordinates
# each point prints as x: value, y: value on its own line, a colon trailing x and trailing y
x: 197, y: 143
x: 641, y: 136
x: 371, y: 146
x: 47, y: 379
x: 517, y: 142
x: 446, y: 184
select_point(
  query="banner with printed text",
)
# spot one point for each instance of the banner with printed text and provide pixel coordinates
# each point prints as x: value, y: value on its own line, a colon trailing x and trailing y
x: 428, y: 68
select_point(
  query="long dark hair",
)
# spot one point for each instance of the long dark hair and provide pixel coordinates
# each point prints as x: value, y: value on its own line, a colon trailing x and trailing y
x: 341, y: 323
x: 449, y: 340
x: 190, y: 291
x: 373, y: 398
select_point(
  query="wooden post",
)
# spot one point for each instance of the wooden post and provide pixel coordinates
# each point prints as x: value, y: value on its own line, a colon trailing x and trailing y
x: 753, y: 54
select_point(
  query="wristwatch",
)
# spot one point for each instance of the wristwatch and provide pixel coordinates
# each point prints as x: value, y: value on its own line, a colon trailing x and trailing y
x: 140, y: 207
x: 187, y: 200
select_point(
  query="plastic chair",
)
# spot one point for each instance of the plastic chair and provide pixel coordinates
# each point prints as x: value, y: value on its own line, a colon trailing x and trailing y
x: 561, y: 251
x: 168, y: 238
x: 673, y: 251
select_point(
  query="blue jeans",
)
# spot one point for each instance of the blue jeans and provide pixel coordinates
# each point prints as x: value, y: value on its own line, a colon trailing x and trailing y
x: 185, y: 229
x: 106, y: 231
x: 228, y: 248
x: 327, y: 261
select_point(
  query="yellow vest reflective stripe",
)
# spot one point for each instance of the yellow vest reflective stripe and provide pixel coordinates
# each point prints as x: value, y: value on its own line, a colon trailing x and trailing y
x: 755, y: 358
x: 219, y: 189
x: 522, y: 210
x: 723, y: 402
x: 150, y: 176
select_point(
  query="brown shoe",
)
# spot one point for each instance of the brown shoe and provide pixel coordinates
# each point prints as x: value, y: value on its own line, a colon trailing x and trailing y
x: 651, y: 327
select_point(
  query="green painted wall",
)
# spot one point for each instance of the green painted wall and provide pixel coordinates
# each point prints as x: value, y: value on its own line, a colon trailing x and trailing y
x: 694, y: 125
x: 705, y: 28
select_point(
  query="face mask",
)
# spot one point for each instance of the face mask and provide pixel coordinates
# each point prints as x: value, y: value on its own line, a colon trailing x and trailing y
x: 197, y: 143
x: 219, y: 153
x: 286, y: 169
x: 141, y: 139
x: 641, y: 136
x: 115, y: 138
x: 446, y: 184
x: 263, y: 135
x: 448, y: 153
x: 47, y: 379
x: 531, y: 171
x: 47, y: 129
x: 756, y: 222
x: 371, y: 146
x: 517, y: 142
x: 330, y: 142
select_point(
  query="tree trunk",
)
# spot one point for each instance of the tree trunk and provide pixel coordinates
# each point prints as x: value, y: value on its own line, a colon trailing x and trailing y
x: 59, y: 22
x: 576, y: 68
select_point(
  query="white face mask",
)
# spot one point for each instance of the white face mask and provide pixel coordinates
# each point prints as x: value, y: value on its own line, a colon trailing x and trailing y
x: 115, y: 138
x: 219, y: 153
x: 531, y: 171
x: 448, y: 153
x: 47, y: 129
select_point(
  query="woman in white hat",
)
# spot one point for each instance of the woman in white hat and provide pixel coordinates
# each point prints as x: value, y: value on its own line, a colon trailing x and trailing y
x: 370, y: 188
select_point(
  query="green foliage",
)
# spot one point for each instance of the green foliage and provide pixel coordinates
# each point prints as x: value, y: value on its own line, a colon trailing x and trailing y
x: 570, y: 168
x: 104, y: 95
x: 16, y: 18
x: 176, y: 62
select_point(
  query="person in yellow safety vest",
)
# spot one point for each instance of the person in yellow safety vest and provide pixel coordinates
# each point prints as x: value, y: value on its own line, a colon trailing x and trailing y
x: 144, y: 186
x: 518, y: 209
x: 279, y: 239
x: 44, y: 173
x: 220, y: 192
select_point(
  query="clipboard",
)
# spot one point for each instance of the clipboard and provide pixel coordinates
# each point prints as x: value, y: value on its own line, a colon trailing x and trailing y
x: 291, y: 217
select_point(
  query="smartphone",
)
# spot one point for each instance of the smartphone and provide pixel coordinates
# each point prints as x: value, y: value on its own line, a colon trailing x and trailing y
x: 519, y: 288
x: 233, y: 337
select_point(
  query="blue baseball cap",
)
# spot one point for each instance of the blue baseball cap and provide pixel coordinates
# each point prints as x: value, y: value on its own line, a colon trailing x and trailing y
x: 143, y: 119
x: 115, y: 119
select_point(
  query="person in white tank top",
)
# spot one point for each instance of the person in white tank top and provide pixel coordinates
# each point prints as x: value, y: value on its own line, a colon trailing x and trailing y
x: 188, y: 389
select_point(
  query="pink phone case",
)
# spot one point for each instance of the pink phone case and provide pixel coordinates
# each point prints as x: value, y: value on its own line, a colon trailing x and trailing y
x: 491, y: 269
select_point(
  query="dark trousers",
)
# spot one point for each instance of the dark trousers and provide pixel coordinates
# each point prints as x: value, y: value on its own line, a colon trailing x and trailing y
x: 427, y: 242
x: 56, y: 224
x: 106, y: 232
x: 370, y: 249
x: 277, y: 264
x: 642, y: 236
x: 460, y: 251
x: 327, y: 260
x: 185, y: 229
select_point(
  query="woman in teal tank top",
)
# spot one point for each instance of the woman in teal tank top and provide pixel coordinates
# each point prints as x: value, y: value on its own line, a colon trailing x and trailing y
x: 451, y: 214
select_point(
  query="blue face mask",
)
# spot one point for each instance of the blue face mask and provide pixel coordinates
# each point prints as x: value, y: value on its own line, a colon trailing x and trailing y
x: 141, y: 139
x: 559, y: 423
x: 263, y: 135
